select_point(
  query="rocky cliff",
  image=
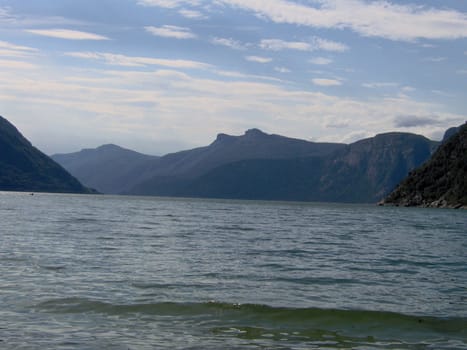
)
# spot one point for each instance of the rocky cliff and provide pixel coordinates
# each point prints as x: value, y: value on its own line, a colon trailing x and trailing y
x: 441, y: 181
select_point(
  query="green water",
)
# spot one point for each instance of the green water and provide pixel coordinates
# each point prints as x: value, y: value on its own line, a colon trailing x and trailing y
x: 104, y: 272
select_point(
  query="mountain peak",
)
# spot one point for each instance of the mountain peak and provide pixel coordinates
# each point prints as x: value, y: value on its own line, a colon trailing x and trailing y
x: 254, y: 132
x: 109, y: 146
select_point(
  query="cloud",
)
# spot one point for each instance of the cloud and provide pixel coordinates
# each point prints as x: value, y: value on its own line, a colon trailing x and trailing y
x: 258, y: 59
x: 132, y: 61
x: 17, y: 64
x: 5, y: 15
x: 314, y: 44
x: 329, y: 45
x: 337, y: 124
x: 171, y: 32
x: 282, y: 69
x: 192, y: 14
x: 408, y: 89
x: 320, y: 61
x: 379, y: 85
x: 67, y: 34
x: 277, y: 45
x: 326, y: 82
x: 11, y: 50
x: 233, y: 44
x: 411, y: 121
x: 435, y: 59
x: 167, y: 104
x: 245, y: 77
x: 160, y: 3
x: 373, y: 19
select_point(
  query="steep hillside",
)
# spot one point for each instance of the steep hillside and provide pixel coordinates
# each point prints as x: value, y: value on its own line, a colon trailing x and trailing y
x: 440, y: 182
x: 25, y: 168
x: 361, y: 172
x: 110, y: 169
x: 107, y: 168
x: 368, y: 170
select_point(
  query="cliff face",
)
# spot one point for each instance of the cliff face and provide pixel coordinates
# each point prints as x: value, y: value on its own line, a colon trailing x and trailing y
x: 364, y: 171
x: 367, y: 170
x: 25, y: 168
x: 440, y: 182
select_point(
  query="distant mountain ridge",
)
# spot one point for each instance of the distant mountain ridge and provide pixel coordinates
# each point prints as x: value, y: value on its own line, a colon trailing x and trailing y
x: 107, y: 168
x: 440, y: 182
x: 364, y: 171
x: 124, y: 171
x: 25, y: 168
x: 257, y: 165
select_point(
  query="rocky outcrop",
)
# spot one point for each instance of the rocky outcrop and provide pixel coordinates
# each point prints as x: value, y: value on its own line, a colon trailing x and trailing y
x: 441, y: 182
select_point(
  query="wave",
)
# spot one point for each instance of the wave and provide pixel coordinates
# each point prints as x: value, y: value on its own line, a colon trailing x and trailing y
x: 262, y: 314
x: 280, y: 327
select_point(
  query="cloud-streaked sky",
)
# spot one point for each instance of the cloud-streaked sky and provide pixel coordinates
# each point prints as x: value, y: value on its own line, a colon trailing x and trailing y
x: 160, y: 76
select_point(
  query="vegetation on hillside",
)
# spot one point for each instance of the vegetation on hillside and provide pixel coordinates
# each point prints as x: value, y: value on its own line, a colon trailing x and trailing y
x: 440, y: 182
x: 25, y: 168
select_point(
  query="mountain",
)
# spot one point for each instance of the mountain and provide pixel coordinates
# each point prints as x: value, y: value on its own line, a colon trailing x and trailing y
x: 169, y: 173
x: 450, y: 132
x: 440, y: 182
x: 257, y: 165
x: 111, y: 169
x: 107, y: 168
x: 25, y: 168
x: 364, y: 171
x: 369, y: 169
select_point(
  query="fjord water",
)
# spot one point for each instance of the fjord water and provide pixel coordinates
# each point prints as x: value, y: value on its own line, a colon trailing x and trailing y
x: 105, y: 272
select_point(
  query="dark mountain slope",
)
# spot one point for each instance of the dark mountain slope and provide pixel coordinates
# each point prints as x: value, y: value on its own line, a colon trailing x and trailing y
x: 368, y: 169
x: 440, y: 182
x: 172, y: 170
x: 107, y: 168
x: 25, y: 168
x: 361, y: 172
x: 111, y: 169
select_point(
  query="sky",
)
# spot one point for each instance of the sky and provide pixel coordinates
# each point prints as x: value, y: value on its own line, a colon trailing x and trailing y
x: 160, y: 76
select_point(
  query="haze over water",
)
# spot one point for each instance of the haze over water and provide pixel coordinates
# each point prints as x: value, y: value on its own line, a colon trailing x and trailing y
x: 105, y: 272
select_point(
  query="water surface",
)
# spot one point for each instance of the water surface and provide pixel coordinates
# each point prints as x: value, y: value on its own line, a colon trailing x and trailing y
x: 106, y: 272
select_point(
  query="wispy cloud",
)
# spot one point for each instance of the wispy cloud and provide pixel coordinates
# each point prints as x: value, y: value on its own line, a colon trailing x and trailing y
x: 11, y: 50
x: 315, y: 43
x: 258, y: 59
x: 379, y: 85
x: 150, y: 103
x: 160, y: 3
x: 228, y: 42
x: 435, y: 59
x: 320, y: 61
x: 326, y: 82
x: 9, y: 64
x: 132, y: 61
x: 67, y: 34
x: 5, y: 15
x: 168, y: 31
x: 329, y: 45
x: 282, y: 69
x: 244, y: 77
x: 192, y: 14
x: 411, y: 121
x: 277, y: 45
x: 376, y: 19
